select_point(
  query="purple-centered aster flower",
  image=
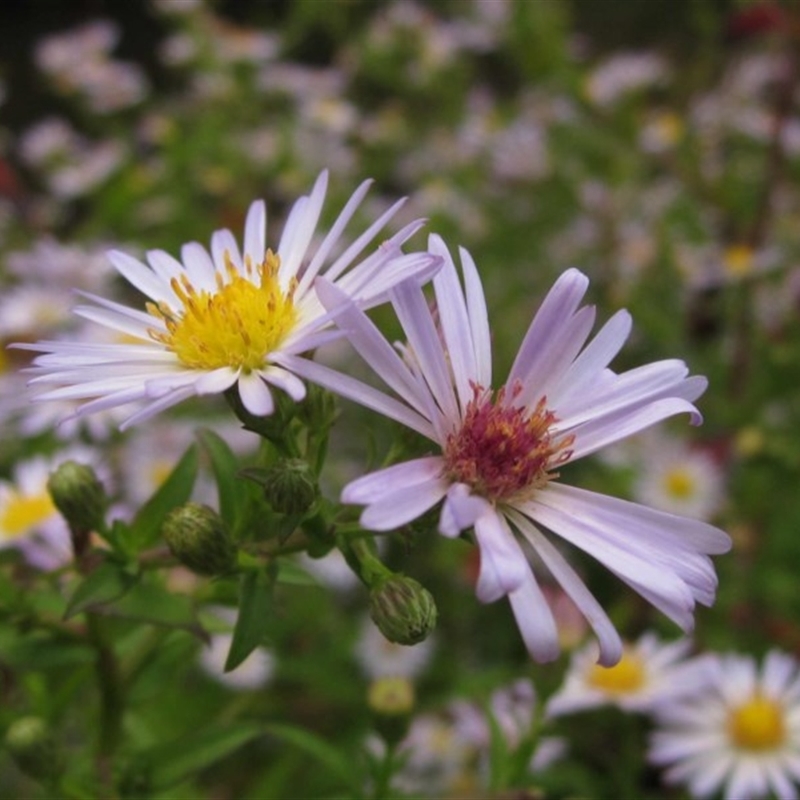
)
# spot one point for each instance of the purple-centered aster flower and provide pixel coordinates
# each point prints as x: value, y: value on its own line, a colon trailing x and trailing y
x: 500, y: 449
x: 218, y: 318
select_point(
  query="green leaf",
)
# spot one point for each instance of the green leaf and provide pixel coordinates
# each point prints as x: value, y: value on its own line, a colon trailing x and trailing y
x: 255, y: 606
x: 107, y: 583
x: 175, y: 491
x: 171, y: 763
x: 232, y: 492
x: 150, y: 603
x: 340, y: 764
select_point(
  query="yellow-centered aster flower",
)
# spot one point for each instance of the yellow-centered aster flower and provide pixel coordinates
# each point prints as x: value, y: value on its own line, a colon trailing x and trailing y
x: 222, y: 317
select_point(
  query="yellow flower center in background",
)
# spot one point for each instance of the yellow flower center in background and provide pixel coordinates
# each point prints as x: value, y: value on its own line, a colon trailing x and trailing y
x: 626, y: 677
x: 679, y: 483
x: 738, y: 260
x: 24, y: 512
x: 757, y: 724
x: 237, y: 326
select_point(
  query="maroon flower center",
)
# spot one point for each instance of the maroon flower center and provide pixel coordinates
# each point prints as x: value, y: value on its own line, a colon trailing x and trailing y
x: 504, y: 451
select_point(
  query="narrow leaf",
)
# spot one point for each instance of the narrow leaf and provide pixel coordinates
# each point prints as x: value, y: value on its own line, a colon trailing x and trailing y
x: 105, y: 584
x: 255, y: 606
x: 175, y: 491
x: 231, y: 491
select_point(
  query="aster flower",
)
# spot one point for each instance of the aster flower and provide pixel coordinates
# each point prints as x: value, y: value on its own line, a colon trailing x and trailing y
x: 501, y: 449
x: 649, y: 672
x: 737, y: 729
x: 218, y: 319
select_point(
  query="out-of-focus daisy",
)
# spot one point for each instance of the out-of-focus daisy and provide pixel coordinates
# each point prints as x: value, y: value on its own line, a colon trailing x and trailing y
x: 675, y: 477
x: 501, y: 449
x: 648, y: 672
x: 737, y: 732
x: 253, y: 673
x: 380, y: 658
x: 29, y: 521
x: 220, y: 319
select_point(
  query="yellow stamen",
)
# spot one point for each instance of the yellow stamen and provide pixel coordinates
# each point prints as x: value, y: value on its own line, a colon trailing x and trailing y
x: 237, y: 326
x: 757, y: 724
x: 22, y: 513
x: 738, y: 260
x: 626, y: 677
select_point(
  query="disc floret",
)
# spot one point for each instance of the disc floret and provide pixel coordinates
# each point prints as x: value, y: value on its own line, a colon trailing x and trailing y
x: 237, y: 326
x: 504, y: 451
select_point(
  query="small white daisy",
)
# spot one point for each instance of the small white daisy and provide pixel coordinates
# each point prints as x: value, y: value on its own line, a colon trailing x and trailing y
x: 29, y: 520
x: 738, y: 731
x: 220, y: 319
x: 648, y: 672
x: 501, y: 449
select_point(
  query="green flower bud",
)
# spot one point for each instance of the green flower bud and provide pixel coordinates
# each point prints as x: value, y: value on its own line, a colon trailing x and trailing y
x: 290, y: 486
x: 391, y: 700
x: 79, y: 496
x: 34, y: 749
x: 198, y: 538
x: 403, y: 609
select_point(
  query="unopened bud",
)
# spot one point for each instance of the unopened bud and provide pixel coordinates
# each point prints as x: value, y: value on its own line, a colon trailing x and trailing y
x: 403, y: 609
x: 392, y: 700
x: 34, y: 749
x: 290, y: 486
x: 79, y: 496
x: 198, y: 537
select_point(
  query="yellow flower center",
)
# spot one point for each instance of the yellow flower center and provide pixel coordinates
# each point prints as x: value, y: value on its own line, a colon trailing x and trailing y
x: 679, y: 483
x: 625, y: 677
x: 504, y: 451
x: 738, y: 260
x: 757, y: 724
x: 237, y: 326
x: 24, y: 512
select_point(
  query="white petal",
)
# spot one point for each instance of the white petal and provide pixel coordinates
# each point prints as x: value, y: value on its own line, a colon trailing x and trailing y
x: 503, y: 567
x: 216, y: 381
x: 373, y: 487
x: 255, y: 395
x: 255, y: 234
x: 224, y: 244
x: 164, y: 265
x: 138, y: 275
x: 199, y: 267
x: 159, y: 405
x: 285, y: 381
x: 299, y: 229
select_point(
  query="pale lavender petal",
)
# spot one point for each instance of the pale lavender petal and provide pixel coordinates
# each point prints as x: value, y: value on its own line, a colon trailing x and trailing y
x: 164, y: 265
x: 555, y: 312
x: 300, y: 227
x: 356, y: 391
x: 596, y: 434
x: 504, y: 567
x: 373, y: 487
x: 535, y: 620
x: 454, y: 321
x: 159, y: 405
x: 478, y: 319
x: 607, y: 636
x: 461, y: 509
x: 404, y: 505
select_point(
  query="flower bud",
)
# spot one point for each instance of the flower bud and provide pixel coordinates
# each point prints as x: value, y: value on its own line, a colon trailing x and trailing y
x: 79, y: 496
x: 290, y: 486
x: 34, y: 749
x: 198, y: 537
x: 403, y: 609
x: 391, y: 699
